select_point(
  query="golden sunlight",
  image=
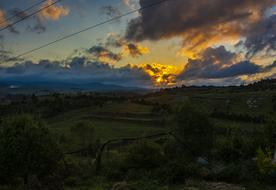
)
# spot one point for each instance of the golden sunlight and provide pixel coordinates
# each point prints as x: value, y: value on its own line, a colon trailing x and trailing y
x: 162, y: 75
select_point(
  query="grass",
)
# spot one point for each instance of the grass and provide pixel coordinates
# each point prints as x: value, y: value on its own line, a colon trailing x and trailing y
x: 105, y: 129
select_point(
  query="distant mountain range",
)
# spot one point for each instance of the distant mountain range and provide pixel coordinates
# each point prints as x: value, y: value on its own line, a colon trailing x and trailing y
x: 49, y: 87
x: 38, y: 87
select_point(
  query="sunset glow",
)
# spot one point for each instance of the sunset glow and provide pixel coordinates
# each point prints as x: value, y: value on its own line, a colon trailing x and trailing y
x: 171, y: 44
x: 162, y: 75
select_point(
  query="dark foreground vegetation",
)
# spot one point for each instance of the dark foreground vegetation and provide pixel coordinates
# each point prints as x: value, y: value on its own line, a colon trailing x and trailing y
x: 184, y: 138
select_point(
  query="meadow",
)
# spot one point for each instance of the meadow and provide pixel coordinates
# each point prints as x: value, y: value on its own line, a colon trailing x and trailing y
x: 183, y: 138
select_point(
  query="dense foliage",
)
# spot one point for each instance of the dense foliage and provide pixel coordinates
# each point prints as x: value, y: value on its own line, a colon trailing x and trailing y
x: 26, y: 149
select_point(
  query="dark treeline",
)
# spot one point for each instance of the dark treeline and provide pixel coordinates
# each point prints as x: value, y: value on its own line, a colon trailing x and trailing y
x: 51, y: 105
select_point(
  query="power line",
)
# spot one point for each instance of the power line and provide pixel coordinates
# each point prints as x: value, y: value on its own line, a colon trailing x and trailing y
x: 29, y: 15
x: 91, y: 27
x: 23, y: 11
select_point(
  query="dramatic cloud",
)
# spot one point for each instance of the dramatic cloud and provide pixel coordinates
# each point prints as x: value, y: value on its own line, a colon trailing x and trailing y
x: 200, y: 23
x: 129, y: 48
x: 54, y: 12
x: 163, y: 75
x: 262, y: 36
x: 219, y: 63
x: 78, y: 70
x: 102, y: 53
x: 135, y: 50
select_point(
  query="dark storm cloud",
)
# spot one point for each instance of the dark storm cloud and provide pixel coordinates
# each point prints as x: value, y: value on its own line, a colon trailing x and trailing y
x: 102, y: 52
x: 219, y: 63
x: 178, y: 16
x: 219, y: 54
x: 262, y: 36
x: 79, y: 69
x: 197, y: 21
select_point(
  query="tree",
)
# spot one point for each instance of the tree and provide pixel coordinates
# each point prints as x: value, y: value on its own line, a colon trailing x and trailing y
x: 194, y: 130
x: 26, y: 149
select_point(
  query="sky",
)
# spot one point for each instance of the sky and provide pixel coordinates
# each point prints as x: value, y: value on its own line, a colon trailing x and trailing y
x: 175, y: 42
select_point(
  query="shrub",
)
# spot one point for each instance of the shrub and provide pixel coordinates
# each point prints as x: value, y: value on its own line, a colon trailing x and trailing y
x: 178, y: 171
x: 27, y: 149
x: 145, y: 155
x: 264, y: 162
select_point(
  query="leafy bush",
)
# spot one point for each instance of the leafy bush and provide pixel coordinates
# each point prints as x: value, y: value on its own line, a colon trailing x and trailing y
x: 114, y: 165
x: 27, y: 149
x: 178, y: 171
x: 145, y: 155
x: 264, y: 162
x: 233, y: 149
x: 245, y: 171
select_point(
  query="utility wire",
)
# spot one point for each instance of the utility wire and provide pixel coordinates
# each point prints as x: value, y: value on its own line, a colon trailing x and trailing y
x: 29, y: 15
x: 23, y: 11
x: 91, y: 27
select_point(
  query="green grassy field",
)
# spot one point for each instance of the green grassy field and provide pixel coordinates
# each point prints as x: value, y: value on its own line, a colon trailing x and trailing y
x: 141, y: 116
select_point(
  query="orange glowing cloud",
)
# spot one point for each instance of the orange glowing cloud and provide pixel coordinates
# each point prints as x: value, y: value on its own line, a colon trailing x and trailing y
x: 200, y: 23
x: 198, y: 41
x: 162, y: 75
x: 54, y: 12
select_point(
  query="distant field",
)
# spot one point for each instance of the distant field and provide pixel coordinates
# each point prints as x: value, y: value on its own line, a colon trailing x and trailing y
x: 113, y: 119
x: 106, y: 129
x: 251, y: 102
